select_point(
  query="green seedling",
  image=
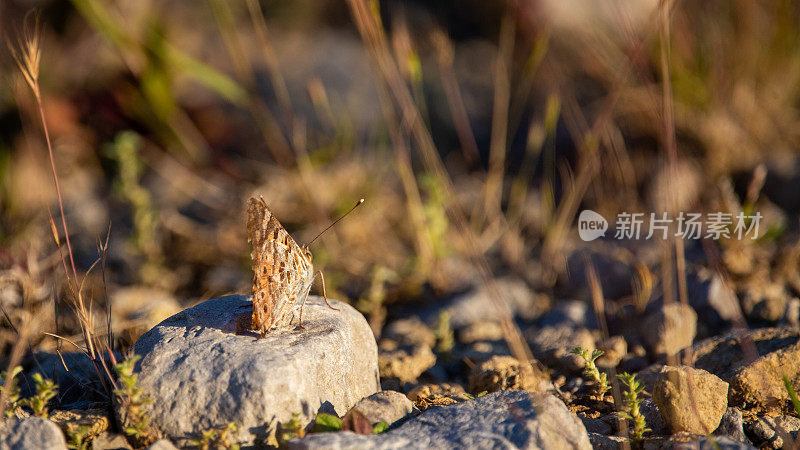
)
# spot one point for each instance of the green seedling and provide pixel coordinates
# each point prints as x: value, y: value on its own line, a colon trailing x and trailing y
x: 78, y: 436
x: 290, y: 430
x: 216, y: 438
x: 135, y: 421
x: 600, y: 379
x: 445, y: 340
x: 45, y: 390
x: 792, y: 395
x: 12, y: 391
x: 632, y: 402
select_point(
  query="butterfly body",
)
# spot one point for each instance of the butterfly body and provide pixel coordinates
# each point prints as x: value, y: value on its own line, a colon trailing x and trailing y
x: 283, y: 270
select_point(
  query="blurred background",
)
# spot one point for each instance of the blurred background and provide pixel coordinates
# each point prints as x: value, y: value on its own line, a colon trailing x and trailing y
x: 476, y: 131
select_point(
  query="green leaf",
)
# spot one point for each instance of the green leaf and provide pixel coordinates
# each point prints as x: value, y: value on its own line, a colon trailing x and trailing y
x: 792, y: 394
x: 380, y: 427
x: 328, y: 422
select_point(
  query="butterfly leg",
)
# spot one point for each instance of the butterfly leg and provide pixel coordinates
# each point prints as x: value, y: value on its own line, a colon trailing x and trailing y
x: 300, y: 321
x: 325, y: 297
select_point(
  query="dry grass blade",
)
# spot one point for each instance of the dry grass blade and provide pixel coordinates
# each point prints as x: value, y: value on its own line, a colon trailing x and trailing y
x: 367, y: 20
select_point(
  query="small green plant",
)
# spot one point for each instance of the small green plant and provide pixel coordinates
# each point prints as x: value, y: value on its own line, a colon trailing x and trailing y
x: 479, y: 394
x: 11, y: 391
x: 444, y: 334
x: 135, y: 421
x: 380, y: 427
x: 215, y: 438
x: 590, y: 369
x: 327, y: 422
x: 290, y: 430
x: 353, y: 421
x: 792, y: 395
x: 78, y: 436
x: 45, y: 390
x: 632, y: 402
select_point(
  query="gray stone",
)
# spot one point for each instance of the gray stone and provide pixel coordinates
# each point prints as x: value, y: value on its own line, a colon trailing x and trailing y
x: 391, y: 407
x: 409, y: 332
x: 480, y: 331
x: 162, y: 444
x: 652, y: 416
x: 200, y: 374
x: 477, y: 305
x: 690, y: 400
x: 508, y: 419
x: 713, y: 300
x: 687, y: 441
x: 764, y: 301
x: 732, y: 425
x: 595, y: 425
x: 80, y: 383
x: 110, y: 441
x: 669, y: 329
x: 574, y: 313
x: 32, y: 433
x: 603, y: 442
x: 772, y: 432
x: 552, y: 346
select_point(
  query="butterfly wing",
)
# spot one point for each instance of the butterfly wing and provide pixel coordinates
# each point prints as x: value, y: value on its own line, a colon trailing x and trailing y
x: 280, y: 267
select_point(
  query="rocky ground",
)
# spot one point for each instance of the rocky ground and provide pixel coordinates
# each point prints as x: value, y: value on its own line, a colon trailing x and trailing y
x: 443, y: 376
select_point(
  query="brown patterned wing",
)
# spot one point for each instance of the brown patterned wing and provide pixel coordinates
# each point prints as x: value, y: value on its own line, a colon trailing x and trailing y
x: 277, y: 275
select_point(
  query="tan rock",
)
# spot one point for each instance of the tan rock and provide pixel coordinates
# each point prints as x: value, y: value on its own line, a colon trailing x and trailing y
x: 404, y: 363
x: 502, y: 373
x: 689, y: 399
x: 753, y: 362
x: 670, y: 329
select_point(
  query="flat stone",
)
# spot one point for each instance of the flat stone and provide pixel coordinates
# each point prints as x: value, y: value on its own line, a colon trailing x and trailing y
x: 669, y: 329
x: 753, y: 362
x: 391, y: 407
x: 201, y: 375
x: 690, y: 400
x: 502, y: 373
x: 508, y: 419
x: 32, y: 433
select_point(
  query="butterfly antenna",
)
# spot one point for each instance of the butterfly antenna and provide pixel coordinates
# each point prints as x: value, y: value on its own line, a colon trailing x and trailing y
x: 336, y: 221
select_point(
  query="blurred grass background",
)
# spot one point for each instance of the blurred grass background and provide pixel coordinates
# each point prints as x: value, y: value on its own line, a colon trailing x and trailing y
x: 475, y: 131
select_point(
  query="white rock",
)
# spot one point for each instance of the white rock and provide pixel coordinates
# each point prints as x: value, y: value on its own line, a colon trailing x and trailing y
x: 386, y: 406
x: 202, y: 375
x: 507, y: 419
x: 32, y: 433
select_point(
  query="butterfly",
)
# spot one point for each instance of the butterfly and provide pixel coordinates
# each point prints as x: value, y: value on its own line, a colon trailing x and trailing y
x: 283, y: 271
